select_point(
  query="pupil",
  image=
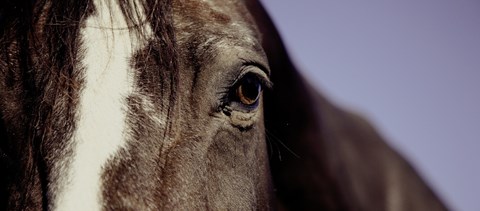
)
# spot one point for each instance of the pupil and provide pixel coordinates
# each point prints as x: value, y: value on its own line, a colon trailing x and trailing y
x: 251, y: 89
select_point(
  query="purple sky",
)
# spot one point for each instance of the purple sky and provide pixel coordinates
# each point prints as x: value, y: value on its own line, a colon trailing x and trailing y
x: 411, y: 66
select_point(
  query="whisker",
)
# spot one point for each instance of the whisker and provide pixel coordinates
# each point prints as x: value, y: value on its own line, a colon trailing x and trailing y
x: 271, y: 145
x: 281, y: 142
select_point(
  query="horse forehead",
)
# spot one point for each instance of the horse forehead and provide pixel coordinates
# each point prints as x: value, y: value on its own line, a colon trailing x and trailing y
x: 208, y: 13
x: 224, y: 22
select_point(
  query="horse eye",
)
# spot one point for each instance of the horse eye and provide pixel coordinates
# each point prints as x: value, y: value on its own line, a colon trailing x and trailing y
x: 249, y: 89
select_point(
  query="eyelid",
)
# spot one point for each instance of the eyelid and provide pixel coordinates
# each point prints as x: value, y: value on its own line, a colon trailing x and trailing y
x: 258, y: 72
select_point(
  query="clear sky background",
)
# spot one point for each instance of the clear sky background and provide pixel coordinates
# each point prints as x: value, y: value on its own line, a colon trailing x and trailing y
x: 411, y: 66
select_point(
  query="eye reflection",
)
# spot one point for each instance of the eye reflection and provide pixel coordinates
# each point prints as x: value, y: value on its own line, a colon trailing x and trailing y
x: 248, y: 91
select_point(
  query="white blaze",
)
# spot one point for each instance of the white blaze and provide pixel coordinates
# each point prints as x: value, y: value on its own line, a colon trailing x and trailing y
x: 100, y: 133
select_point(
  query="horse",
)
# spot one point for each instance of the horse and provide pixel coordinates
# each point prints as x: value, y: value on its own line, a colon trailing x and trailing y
x: 177, y: 105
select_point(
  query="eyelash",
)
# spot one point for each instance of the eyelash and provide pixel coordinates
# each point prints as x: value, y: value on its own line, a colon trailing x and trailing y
x: 229, y: 93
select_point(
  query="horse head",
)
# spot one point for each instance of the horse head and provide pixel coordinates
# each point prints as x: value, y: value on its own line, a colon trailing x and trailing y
x: 177, y: 104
